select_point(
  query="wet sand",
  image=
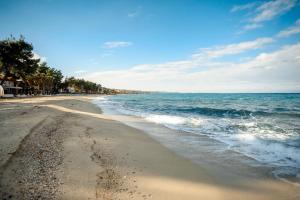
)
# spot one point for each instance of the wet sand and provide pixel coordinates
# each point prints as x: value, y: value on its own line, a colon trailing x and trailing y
x: 65, y: 148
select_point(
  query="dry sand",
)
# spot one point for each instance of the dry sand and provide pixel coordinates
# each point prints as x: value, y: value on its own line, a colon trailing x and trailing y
x: 64, y: 148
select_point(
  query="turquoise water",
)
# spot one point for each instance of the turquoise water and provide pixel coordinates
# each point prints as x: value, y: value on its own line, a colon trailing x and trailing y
x: 265, y: 127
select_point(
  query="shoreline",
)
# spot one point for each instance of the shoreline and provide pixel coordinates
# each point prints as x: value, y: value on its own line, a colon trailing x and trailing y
x: 100, y: 158
x: 190, y: 144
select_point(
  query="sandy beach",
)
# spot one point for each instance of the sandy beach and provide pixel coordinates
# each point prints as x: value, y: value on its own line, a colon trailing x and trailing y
x: 65, y: 148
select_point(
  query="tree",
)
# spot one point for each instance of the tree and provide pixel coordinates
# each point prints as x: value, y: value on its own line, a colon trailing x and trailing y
x: 57, y: 78
x: 48, y: 79
x: 16, y: 59
x: 82, y: 86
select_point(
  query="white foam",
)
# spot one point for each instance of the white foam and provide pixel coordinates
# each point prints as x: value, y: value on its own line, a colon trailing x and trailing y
x: 100, y: 97
x: 166, y: 119
x: 174, y: 120
x: 245, y: 137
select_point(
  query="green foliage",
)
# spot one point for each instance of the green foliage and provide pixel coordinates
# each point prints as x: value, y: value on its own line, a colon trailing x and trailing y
x: 16, y: 58
x: 81, y: 85
x: 48, y: 79
x: 17, y: 62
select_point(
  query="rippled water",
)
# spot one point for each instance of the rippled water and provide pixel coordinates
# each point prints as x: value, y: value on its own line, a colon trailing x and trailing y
x: 265, y: 127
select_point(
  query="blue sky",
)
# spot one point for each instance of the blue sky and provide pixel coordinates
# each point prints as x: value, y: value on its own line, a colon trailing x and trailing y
x: 194, y: 46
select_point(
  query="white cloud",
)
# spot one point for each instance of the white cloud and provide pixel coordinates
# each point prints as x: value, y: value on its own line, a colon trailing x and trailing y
x: 116, y: 44
x: 232, y: 49
x: 79, y: 71
x: 267, y: 72
x: 295, y: 29
x: 135, y: 13
x: 236, y: 8
x: 264, y: 12
x: 252, y: 26
x: 37, y: 56
x: 132, y: 14
x: 276, y: 71
x: 271, y: 9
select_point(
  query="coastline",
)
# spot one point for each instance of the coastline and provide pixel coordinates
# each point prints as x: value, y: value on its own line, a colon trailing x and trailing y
x: 95, y: 157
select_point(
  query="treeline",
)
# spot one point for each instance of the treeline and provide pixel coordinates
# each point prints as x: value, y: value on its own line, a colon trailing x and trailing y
x: 22, y: 73
x: 81, y: 86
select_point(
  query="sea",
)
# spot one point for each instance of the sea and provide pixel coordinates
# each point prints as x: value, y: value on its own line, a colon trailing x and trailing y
x: 264, y: 128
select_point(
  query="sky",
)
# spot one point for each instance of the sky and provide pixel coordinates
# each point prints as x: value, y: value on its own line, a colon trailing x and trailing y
x: 169, y: 45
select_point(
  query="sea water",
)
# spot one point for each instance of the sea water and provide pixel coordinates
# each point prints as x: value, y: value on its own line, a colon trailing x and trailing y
x: 264, y: 127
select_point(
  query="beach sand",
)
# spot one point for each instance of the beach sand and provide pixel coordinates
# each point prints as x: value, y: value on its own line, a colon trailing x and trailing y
x: 65, y: 148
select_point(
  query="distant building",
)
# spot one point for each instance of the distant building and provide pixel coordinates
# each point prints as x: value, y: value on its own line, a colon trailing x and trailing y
x: 9, y: 87
x: 71, y: 90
